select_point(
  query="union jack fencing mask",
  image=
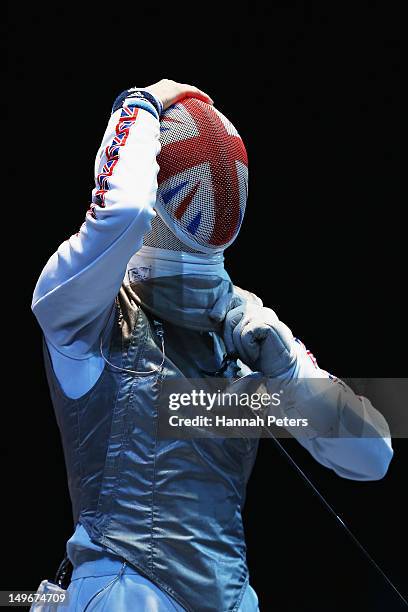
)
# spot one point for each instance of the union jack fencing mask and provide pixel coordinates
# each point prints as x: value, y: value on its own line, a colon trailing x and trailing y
x: 202, y: 182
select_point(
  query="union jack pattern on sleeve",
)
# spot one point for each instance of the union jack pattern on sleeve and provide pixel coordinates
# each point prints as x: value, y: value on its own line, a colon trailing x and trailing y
x: 127, y: 119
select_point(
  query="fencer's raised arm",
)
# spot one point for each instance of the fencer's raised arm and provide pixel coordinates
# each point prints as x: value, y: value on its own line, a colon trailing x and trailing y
x: 76, y: 289
x: 80, y: 280
x: 344, y: 431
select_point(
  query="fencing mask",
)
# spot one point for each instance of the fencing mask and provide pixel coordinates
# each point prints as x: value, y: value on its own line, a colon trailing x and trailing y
x: 202, y: 182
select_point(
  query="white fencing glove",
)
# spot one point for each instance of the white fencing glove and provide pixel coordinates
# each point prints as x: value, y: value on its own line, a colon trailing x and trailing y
x: 260, y: 340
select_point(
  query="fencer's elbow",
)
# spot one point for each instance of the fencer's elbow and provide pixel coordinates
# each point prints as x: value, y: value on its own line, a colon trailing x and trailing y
x: 38, y: 293
x: 380, y: 461
x: 364, y: 459
x: 377, y: 460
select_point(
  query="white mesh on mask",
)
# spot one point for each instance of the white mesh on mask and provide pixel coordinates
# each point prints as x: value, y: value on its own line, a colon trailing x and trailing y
x: 162, y: 237
x: 202, y: 182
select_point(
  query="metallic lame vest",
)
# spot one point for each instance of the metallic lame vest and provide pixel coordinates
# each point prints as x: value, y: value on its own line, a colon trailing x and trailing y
x: 170, y: 508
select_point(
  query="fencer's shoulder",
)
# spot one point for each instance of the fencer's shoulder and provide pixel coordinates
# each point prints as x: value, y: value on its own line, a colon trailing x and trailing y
x: 248, y: 296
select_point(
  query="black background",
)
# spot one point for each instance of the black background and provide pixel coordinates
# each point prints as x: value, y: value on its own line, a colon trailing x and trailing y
x: 315, y: 92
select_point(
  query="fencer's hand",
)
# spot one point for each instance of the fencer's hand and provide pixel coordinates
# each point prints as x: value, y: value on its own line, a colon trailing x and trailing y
x: 260, y: 340
x: 170, y: 92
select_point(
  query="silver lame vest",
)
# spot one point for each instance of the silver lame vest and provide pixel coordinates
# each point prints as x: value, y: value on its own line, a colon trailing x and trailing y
x: 170, y: 508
